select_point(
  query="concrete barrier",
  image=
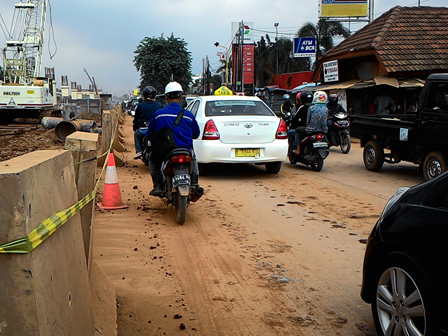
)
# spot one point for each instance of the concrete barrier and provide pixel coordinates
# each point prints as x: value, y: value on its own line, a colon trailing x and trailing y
x: 45, y: 292
x: 84, y: 146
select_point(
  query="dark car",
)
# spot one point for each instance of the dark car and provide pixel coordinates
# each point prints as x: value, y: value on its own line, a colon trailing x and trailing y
x: 405, y: 269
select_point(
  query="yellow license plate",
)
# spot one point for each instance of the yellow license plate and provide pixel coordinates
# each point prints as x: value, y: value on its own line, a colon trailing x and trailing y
x: 247, y: 152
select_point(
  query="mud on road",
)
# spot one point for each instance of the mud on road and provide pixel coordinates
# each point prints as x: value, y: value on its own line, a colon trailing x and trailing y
x: 259, y: 254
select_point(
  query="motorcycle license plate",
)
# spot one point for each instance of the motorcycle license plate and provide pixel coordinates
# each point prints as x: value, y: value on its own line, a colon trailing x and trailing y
x: 342, y: 123
x: 181, y: 179
x: 320, y: 145
x: 247, y: 152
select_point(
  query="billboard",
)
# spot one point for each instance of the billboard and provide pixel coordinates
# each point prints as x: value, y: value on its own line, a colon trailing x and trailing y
x: 304, y: 47
x: 342, y: 8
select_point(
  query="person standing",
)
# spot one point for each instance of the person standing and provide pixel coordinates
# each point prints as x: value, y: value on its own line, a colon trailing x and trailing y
x: 184, y: 133
x: 384, y: 104
x: 143, y: 115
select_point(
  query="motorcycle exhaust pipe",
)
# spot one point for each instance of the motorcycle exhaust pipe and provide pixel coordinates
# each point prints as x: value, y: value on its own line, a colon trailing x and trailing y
x: 197, y: 194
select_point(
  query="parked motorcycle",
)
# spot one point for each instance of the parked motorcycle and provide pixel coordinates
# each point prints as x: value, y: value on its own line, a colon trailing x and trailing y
x: 177, y: 188
x: 314, y: 150
x: 339, y: 134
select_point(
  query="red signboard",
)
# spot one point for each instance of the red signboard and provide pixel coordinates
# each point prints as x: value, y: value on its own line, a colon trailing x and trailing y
x: 248, y: 63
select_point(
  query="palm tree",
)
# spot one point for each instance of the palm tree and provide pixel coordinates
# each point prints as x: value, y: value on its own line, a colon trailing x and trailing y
x: 324, y: 32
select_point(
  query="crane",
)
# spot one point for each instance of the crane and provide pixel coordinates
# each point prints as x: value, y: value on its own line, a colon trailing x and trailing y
x: 23, y: 93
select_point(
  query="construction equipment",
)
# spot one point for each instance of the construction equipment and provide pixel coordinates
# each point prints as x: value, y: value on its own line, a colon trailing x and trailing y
x: 23, y: 93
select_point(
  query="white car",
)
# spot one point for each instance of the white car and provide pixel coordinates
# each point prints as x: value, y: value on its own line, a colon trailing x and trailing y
x: 239, y: 129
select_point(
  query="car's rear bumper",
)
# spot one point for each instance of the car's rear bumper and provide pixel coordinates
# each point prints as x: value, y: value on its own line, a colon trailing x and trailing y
x: 209, y: 151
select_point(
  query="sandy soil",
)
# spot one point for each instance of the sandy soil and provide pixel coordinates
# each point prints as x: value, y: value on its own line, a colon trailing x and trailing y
x: 259, y: 254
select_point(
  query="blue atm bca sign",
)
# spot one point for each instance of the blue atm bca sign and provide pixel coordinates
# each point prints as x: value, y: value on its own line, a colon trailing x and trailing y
x: 304, y: 47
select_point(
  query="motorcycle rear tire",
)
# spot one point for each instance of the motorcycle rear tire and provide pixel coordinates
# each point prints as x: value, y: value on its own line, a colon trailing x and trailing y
x: 181, y: 205
x: 318, y: 165
x: 346, y: 143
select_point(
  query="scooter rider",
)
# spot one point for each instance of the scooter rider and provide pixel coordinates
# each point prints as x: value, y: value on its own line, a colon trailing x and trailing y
x: 333, y: 108
x: 286, y: 108
x: 184, y: 133
x: 299, y: 117
x: 143, y: 115
x: 316, y: 120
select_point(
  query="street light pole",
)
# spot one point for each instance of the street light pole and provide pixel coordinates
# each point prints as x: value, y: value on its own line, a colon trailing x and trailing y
x: 276, y: 39
x: 227, y: 62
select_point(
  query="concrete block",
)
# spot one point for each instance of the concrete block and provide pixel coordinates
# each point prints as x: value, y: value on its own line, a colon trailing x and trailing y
x: 45, y: 292
x: 83, y: 146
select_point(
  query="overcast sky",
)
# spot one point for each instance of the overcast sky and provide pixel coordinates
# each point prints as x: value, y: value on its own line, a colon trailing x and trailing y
x: 102, y: 35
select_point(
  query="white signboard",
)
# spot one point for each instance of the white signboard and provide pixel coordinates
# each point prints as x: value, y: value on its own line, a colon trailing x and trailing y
x: 246, y: 30
x: 331, y: 72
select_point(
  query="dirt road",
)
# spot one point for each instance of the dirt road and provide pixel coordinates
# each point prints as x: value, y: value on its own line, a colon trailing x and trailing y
x: 259, y: 254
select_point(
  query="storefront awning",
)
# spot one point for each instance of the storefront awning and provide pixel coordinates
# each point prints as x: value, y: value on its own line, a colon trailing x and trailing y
x: 379, y: 80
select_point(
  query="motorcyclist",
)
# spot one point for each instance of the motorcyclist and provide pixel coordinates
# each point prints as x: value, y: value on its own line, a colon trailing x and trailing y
x: 286, y: 107
x: 333, y: 108
x: 184, y: 133
x: 316, y: 120
x: 304, y: 99
x: 143, y: 115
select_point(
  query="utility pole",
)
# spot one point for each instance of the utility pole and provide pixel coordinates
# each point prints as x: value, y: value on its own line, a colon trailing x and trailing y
x: 276, y: 39
x: 242, y: 55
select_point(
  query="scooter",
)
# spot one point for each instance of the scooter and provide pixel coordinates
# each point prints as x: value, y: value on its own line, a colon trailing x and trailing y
x: 177, y: 188
x: 314, y: 150
x: 339, y: 134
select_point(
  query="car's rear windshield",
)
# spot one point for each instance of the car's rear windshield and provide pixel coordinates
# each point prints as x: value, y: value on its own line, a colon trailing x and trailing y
x: 236, y: 108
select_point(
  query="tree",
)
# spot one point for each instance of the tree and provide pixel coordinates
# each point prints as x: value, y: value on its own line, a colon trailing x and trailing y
x: 157, y: 59
x: 266, y: 54
x: 324, y: 32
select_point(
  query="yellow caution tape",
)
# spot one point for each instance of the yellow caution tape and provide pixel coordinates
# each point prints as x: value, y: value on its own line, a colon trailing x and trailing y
x: 49, y: 226
x: 45, y: 229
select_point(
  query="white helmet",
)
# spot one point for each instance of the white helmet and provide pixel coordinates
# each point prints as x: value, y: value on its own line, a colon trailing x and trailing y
x: 320, y: 97
x: 173, y: 87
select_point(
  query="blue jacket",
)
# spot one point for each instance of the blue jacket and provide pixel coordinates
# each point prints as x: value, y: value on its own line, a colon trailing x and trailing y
x: 184, y: 133
x: 144, y: 113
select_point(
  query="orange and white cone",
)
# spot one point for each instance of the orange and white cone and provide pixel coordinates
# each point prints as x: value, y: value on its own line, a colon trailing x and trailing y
x: 112, y: 194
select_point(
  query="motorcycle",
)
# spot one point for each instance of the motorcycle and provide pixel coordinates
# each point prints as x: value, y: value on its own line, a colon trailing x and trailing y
x: 338, y: 134
x: 314, y: 150
x: 146, y: 151
x: 177, y: 188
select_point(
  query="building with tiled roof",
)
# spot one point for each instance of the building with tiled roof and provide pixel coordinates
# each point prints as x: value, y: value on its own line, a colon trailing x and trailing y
x: 405, y: 41
x: 397, y: 50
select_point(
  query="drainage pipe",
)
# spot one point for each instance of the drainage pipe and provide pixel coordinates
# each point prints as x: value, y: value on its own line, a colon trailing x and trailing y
x: 50, y: 122
x: 67, y: 127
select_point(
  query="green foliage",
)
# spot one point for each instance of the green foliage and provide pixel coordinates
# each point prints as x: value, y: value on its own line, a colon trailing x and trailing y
x: 266, y: 54
x: 157, y: 59
x: 324, y: 32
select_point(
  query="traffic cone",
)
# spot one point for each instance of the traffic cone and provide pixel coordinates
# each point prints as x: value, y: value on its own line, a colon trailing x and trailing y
x: 112, y: 194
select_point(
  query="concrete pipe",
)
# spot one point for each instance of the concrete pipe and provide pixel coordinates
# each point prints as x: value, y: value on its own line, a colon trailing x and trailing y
x: 67, y: 127
x: 50, y: 122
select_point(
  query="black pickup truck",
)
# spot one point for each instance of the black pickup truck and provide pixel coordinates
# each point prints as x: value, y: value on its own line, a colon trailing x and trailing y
x: 420, y: 137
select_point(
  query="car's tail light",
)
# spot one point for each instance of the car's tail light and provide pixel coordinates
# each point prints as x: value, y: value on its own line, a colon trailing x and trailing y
x: 210, y: 131
x: 182, y: 158
x: 282, y: 130
x: 319, y: 137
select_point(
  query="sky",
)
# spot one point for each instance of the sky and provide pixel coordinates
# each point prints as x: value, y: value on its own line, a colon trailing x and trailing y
x: 102, y: 35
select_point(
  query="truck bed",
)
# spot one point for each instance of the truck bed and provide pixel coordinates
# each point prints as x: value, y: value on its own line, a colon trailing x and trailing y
x: 382, y: 127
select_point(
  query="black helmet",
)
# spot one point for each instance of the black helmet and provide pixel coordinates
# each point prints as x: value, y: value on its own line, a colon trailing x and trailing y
x: 149, y: 92
x: 333, y: 99
x: 306, y: 97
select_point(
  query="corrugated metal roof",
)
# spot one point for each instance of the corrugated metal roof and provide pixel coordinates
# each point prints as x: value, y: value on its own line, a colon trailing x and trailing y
x: 392, y: 81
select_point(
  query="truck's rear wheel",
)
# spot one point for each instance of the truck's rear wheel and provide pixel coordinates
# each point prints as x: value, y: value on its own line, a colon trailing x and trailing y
x: 373, y: 156
x: 434, y: 165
